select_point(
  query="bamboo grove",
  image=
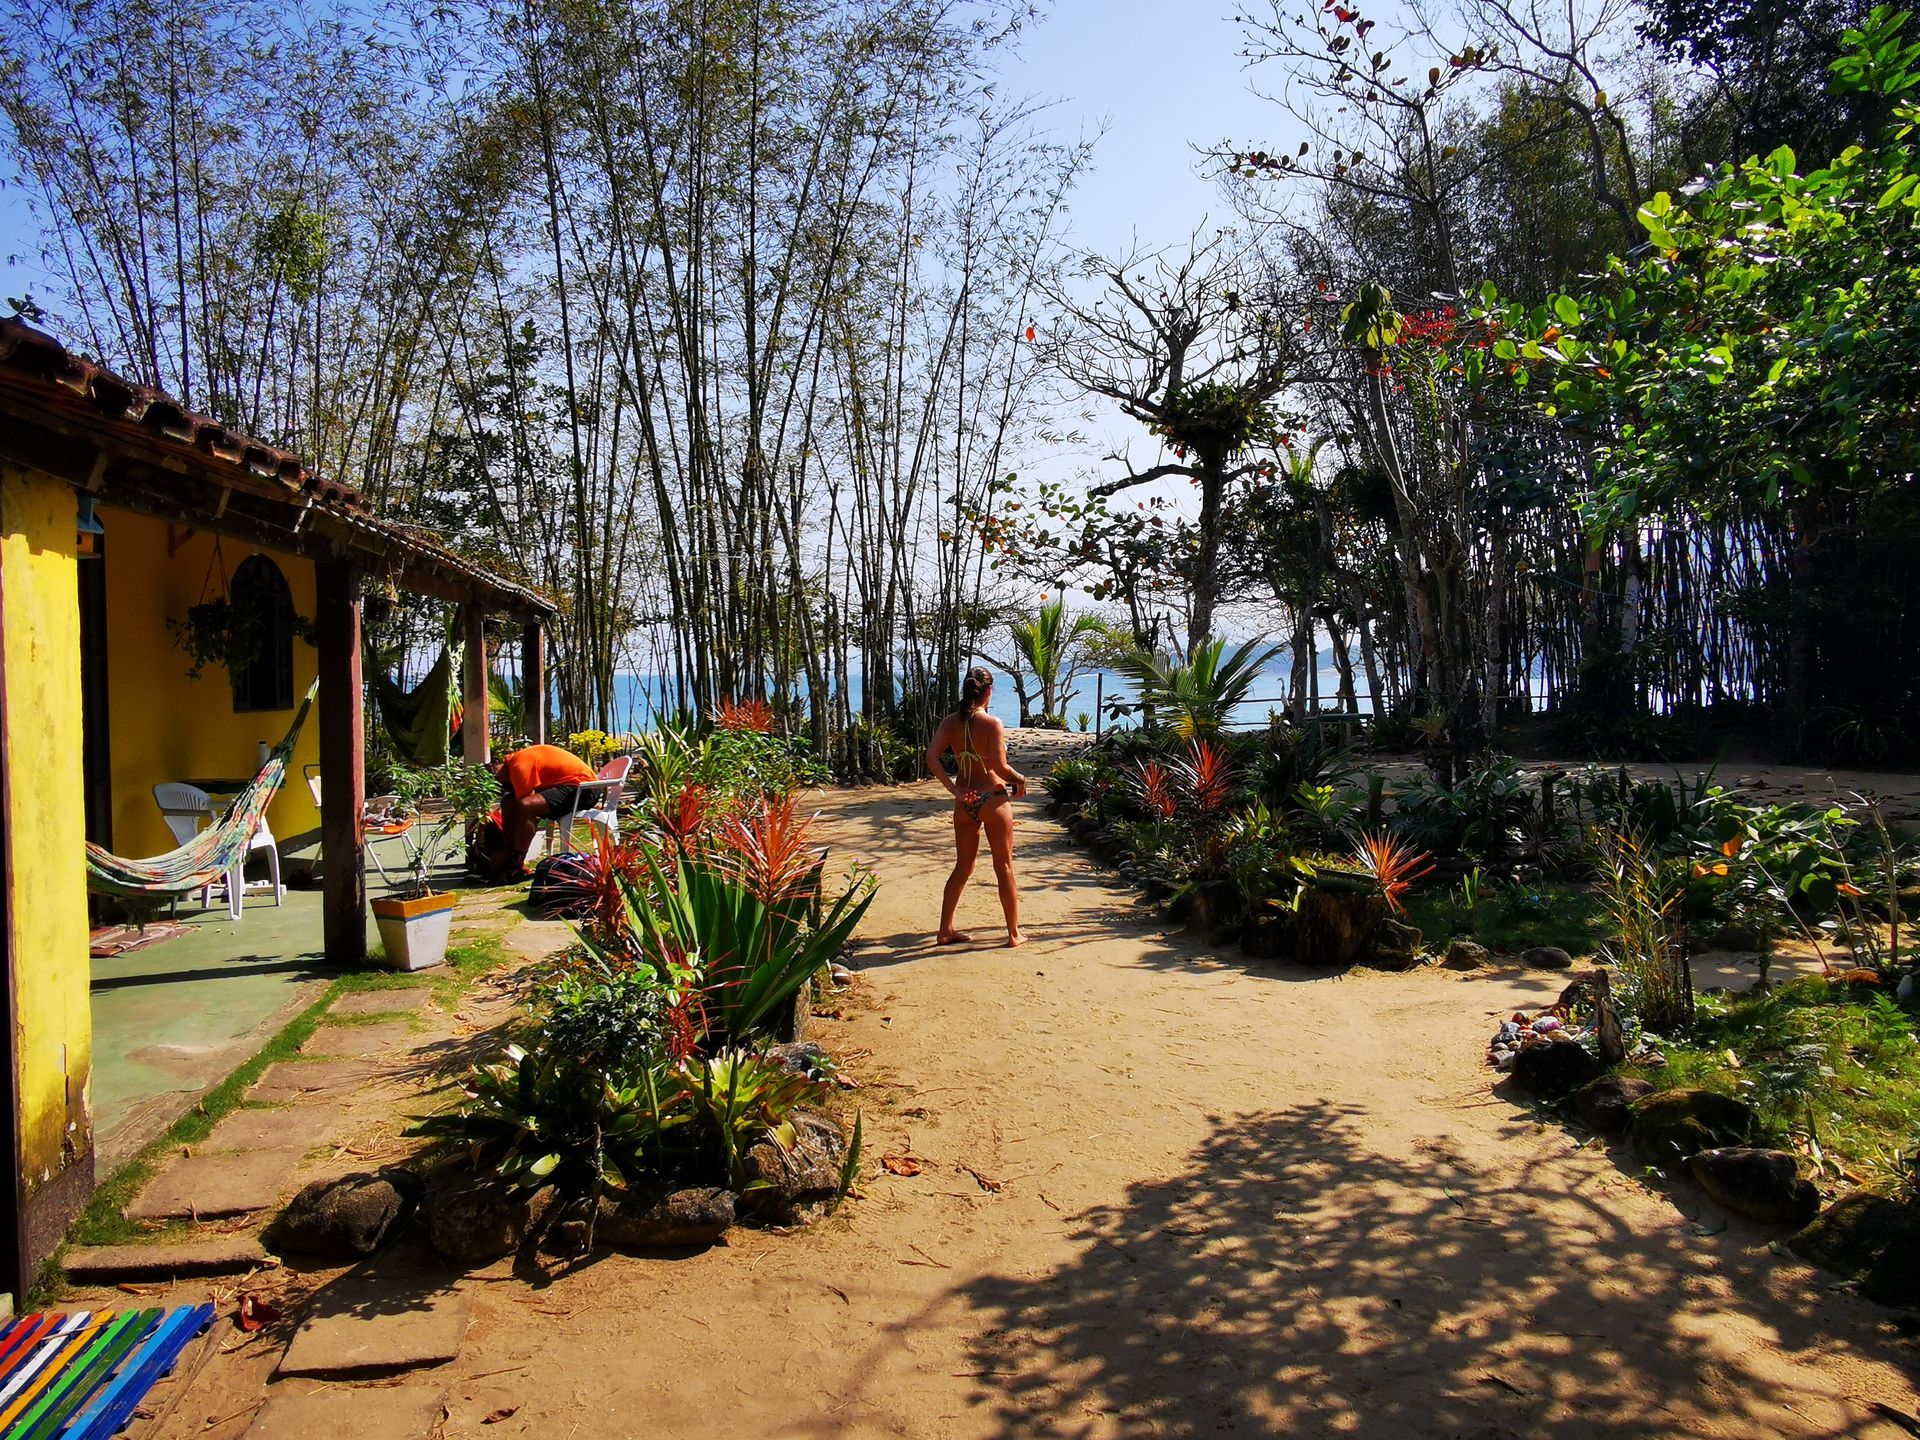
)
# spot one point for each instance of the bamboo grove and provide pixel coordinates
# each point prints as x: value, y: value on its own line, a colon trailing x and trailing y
x: 733, y: 323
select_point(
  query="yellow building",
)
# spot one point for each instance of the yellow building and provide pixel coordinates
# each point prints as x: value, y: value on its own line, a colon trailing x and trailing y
x: 120, y: 511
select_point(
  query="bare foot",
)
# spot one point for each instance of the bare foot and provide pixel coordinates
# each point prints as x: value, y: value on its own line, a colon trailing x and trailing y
x: 952, y: 937
x: 1015, y: 938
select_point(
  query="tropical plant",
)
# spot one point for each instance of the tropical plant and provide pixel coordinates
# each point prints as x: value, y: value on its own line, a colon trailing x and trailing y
x: 469, y: 794
x: 1642, y: 896
x: 1070, y: 781
x: 1326, y: 807
x: 1049, y: 643
x: 663, y: 765
x: 737, y: 1098
x: 1198, y: 698
x: 506, y: 711
x: 539, y: 1117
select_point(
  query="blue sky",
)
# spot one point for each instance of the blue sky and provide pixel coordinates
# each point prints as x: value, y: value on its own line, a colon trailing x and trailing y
x: 1163, y: 78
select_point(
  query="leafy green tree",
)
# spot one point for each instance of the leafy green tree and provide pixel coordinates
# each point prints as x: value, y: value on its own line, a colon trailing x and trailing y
x: 1760, y: 355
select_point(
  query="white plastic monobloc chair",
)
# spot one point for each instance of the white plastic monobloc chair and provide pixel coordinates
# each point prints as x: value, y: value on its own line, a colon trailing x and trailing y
x: 595, y: 804
x: 186, y: 808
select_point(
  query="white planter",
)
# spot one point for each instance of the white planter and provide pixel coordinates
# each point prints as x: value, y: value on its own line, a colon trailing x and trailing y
x: 414, y: 932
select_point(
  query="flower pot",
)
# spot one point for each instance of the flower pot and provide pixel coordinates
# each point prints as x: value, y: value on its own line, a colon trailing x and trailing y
x: 414, y: 932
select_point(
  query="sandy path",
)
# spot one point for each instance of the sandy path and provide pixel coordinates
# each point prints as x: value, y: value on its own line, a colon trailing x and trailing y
x: 1232, y: 1203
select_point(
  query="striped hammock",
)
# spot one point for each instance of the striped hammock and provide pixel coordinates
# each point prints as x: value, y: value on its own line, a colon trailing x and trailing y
x: 212, y: 852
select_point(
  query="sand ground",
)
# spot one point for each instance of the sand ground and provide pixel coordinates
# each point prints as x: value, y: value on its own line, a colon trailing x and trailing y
x: 1169, y: 1194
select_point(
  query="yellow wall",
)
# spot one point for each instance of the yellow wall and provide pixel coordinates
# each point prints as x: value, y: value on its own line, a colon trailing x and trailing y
x: 164, y: 726
x: 46, y: 829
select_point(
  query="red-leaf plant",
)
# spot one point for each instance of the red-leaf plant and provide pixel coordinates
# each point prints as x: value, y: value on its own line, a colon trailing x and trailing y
x: 683, y: 818
x: 1156, y: 789
x: 1206, y: 776
x: 755, y: 715
x: 767, y: 848
x: 1393, y: 864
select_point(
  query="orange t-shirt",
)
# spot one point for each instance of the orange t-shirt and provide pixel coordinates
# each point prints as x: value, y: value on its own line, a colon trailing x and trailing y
x: 539, y: 766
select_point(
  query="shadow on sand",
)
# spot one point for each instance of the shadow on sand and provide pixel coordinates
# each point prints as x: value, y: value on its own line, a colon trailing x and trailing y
x: 1293, y: 1280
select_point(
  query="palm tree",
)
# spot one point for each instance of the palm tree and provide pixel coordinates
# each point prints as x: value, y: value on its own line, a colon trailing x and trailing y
x: 1198, y: 697
x: 506, y: 707
x: 1046, y: 643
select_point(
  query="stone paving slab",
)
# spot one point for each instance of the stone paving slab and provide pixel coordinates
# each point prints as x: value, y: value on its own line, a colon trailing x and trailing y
x: 215, y: 1255
x: 540, y: 939
x: 306, y: 1127
x: 207, y: 1187
x: 384, y: 1002
x: 362, y: 1042
x: 296, y: 1079
x: 391, y: 1412
x: 358, y: 1327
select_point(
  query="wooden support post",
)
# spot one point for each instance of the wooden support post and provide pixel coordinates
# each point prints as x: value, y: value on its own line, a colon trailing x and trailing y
x: 475, y: 745
x: 533, y: 680
x: 343, y: 751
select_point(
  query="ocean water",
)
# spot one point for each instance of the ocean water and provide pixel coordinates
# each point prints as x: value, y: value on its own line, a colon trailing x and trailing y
x: 640, y: 699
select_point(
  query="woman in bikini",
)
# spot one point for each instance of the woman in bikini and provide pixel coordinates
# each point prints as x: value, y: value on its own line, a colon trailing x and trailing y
x: 983, y: 787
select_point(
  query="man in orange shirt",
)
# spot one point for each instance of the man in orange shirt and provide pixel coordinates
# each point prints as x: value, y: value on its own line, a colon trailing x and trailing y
x: 536, y: 782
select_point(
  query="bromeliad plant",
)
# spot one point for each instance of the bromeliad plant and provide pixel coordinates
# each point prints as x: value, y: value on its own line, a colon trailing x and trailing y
x: 648, y: 1058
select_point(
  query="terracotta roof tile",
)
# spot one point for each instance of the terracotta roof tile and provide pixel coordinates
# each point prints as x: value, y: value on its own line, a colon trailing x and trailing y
x: 28, y: 351
x: 37, y: 358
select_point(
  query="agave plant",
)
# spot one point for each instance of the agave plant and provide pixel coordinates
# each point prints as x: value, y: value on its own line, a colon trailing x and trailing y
x: 751, y: 956
x: 1198, y: 698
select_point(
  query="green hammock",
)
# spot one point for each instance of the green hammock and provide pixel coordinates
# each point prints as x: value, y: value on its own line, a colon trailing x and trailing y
x: 212, y: 852
x: 420, y: 721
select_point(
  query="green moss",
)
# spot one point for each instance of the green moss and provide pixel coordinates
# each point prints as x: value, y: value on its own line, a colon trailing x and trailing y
x: 1814, y: 1058
x: 1569, y: 916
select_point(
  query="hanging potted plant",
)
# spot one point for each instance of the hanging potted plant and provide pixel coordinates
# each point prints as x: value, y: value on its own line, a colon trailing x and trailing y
x: 416, y: 920
x: 219, y: 630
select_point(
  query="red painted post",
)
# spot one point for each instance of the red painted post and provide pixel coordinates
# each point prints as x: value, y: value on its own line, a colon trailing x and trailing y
x: 533, y: 680
x: 475, y: 742
x: 343, y: 751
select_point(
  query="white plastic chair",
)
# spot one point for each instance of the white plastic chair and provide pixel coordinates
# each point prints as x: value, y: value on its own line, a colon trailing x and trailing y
x: 374, y: 811
x: 596, y: 803
x: 186, y: 808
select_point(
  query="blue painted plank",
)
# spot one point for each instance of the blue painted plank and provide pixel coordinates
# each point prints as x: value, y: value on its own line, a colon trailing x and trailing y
x: 114, y: 1406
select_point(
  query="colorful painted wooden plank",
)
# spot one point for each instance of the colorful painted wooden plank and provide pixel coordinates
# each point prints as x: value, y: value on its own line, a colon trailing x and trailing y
x: 33, y: 1372
x: 112, y: 1356
x: 113, y: 1405
x: 19, y: 1338
x: 48, y: 1399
